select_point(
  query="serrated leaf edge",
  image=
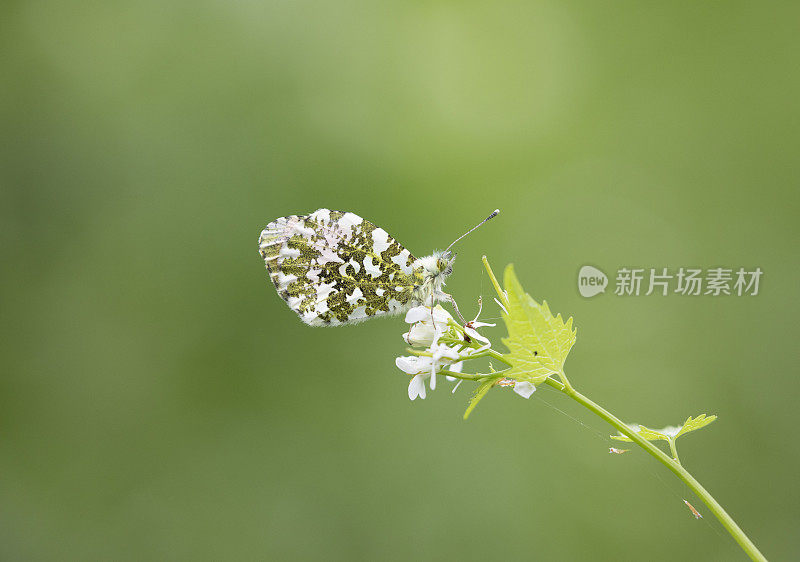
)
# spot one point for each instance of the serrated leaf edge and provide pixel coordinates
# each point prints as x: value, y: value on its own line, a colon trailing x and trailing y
x: 659, y: 434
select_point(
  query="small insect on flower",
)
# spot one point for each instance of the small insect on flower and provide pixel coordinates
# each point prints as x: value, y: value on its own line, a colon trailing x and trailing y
x: 617, y: 451
x: 336, y: 268
x: 696, y: 513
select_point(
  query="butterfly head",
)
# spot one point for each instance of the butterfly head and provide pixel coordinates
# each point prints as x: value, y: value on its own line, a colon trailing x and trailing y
x: 437, y: 266
x: 444, y: 263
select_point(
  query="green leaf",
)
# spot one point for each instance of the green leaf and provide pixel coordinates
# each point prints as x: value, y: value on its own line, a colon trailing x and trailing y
x: 696, y: 423
x: 479, y: 394
x: 645, y: 433
x: 538, y: 342
x: 667, y: 433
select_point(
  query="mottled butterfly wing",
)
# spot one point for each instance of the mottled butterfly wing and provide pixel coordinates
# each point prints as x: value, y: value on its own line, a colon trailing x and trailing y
x: 336, y: 268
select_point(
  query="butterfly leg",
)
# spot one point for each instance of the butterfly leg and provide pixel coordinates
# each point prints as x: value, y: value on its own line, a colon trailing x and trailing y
x: 449, y: 298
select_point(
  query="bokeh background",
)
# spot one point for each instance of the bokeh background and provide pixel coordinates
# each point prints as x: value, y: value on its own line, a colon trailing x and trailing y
x: 157, y: 399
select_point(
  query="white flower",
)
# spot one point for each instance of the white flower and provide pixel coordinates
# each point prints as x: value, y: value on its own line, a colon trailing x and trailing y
x: 441, y: 355
x: 455, y: 368
x: 424, y: 323
x: 419, y: 367
x: 417, y: 387
x: 424, y: 368
x: 524, y: 388
x: 426, y: 313
x: 470, y: 331
x: 419, y: 335
x: 413, y: 364
x: 428, y: 325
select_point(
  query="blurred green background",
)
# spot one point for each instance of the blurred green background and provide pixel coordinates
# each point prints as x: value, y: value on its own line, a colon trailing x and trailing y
x: 159, y: 401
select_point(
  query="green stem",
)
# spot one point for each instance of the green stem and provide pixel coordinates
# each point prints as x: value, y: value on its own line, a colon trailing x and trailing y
x: 497, y: 288
x: 564, y: 380
x: 495, y: 355
x: 674, y: 451
x: 464, y: 376
x: 485, y: 353
x: 672, y: 464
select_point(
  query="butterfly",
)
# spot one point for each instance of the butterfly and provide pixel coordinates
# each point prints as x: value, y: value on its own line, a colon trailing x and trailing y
x: 334, y: 267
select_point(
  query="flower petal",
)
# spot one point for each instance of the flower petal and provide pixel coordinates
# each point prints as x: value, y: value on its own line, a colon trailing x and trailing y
x: 406, y: 364
x: 442, y: 356
x: 475, y: 335
x: 412, y: 365
x: 416, y: 387
x: 440, y: 315
x: 420, y: 334
x: 524, y: 388
x: 417, y: 314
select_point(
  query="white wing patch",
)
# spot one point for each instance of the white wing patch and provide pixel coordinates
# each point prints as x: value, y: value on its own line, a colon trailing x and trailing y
x: 380, y: 240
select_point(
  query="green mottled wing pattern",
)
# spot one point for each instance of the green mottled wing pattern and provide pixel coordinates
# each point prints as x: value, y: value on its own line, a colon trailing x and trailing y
x: 336, y: 268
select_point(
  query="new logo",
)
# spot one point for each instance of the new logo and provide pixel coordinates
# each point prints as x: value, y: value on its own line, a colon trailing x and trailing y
x: 591, y: 281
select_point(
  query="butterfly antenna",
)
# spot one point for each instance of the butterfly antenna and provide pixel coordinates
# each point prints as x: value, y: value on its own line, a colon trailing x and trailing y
x: 493, y: 215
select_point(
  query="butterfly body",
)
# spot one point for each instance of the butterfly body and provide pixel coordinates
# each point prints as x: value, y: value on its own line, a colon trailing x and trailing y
x: 334, y: 267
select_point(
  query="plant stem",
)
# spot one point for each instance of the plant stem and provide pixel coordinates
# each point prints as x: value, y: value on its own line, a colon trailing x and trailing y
x: 497, y: 288
x: 462, y: 376
x: 672, y: 464
x: 495, y: 355
x: 674, y: 450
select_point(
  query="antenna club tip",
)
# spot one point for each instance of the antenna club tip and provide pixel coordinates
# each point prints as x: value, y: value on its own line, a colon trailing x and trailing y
x: 494, y: 214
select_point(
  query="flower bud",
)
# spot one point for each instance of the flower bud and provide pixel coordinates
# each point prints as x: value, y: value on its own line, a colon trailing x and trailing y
x: 420, y: 334
x: 424, y: 323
